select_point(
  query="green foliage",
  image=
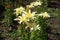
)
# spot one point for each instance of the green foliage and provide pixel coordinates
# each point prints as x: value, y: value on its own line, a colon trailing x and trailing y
x: 8, y: 20
x: 43, y: 24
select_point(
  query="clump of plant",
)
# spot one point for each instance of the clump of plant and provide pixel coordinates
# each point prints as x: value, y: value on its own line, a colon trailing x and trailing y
x: 32, y: 26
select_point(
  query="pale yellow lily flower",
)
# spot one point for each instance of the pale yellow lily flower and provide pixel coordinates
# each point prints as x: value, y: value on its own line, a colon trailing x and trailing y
x: 33, y: 26
x: 19, y: 10
x: 37, y: 3
x: 45, y: 15
x: 21, y: 18
x: 34, y: 4
x: 30, y: 14
x: 30, y: 6
x: 37, y: 27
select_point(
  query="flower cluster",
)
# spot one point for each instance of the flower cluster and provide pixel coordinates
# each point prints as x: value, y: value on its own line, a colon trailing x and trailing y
x: 44, y: 15
x: 19, y: 10
x: 26, y: 16
x: 33, y: 4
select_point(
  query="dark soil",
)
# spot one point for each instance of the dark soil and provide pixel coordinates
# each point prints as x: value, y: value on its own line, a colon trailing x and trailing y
x: 53, y: 29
